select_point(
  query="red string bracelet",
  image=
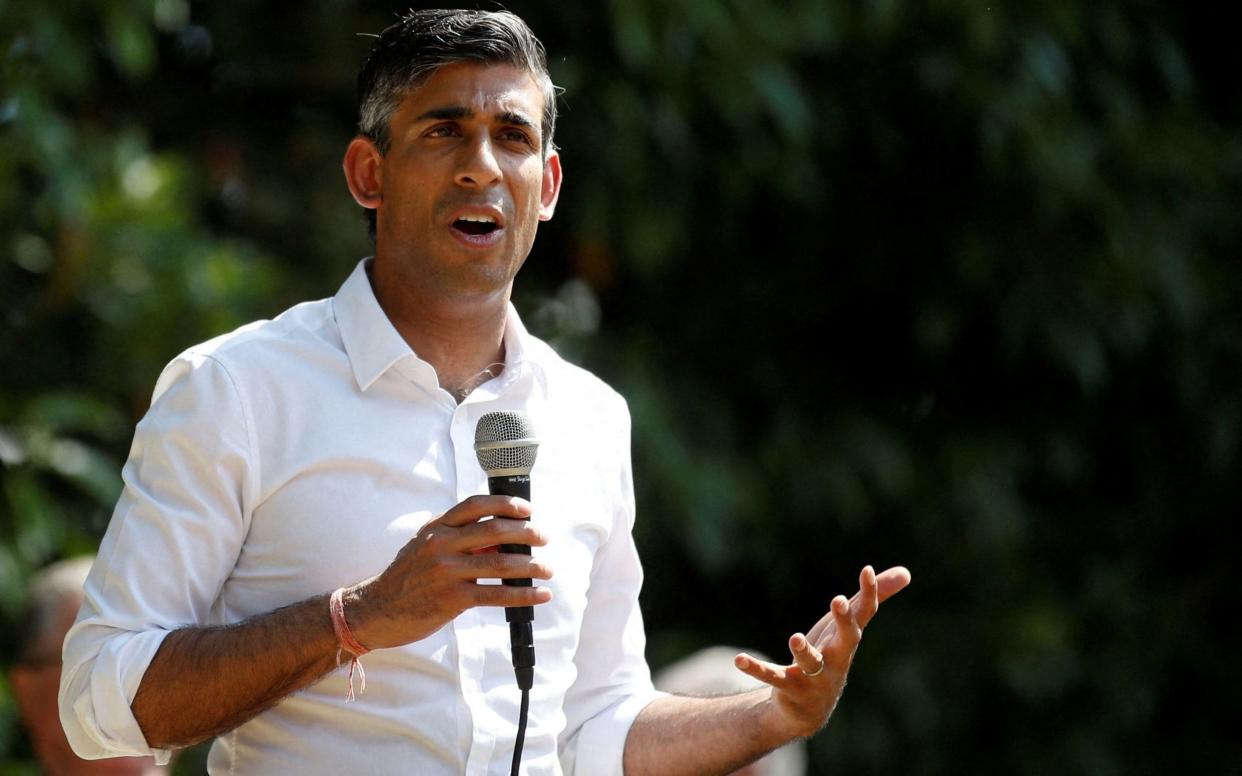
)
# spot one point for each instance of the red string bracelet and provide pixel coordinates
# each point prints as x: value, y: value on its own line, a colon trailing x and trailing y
x: 347, y: 642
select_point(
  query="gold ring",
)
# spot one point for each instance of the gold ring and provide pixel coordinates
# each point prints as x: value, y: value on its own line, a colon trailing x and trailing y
x: 817, y: 671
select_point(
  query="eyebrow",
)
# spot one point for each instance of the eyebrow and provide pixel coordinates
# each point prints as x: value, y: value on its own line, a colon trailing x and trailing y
x: 455, y: 112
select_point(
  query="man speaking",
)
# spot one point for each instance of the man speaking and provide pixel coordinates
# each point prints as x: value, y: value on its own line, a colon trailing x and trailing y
x: 301, y: 507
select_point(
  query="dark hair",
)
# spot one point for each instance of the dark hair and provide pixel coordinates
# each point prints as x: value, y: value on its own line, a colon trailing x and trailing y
x: 410, y: 51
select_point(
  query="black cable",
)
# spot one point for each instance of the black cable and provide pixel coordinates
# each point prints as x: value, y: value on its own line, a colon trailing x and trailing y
x: 522, y: 641
x: 521, y: 734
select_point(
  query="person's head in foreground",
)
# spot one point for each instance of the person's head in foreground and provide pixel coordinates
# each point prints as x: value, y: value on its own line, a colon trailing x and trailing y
x: 55, y: 595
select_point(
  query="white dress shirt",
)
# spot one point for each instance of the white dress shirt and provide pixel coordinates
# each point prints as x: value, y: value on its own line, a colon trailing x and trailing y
x: 297, y: 455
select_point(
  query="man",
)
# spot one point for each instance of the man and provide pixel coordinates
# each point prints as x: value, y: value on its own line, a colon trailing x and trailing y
x: 281, y: 467
x: 55, y: 595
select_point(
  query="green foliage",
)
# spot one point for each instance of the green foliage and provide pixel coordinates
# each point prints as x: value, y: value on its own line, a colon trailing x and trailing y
x: 944, y: 284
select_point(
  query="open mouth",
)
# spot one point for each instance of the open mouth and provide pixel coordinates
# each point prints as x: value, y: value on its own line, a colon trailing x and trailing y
x: 475, y: 225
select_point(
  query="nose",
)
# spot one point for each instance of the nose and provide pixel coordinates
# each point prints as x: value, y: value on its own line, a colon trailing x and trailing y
x: 478, y: 167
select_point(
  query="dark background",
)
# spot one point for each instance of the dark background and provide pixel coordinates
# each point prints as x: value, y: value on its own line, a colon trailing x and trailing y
x: 943, y: 284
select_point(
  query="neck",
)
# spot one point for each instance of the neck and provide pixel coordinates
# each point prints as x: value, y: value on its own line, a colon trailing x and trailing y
x: 460, y: 334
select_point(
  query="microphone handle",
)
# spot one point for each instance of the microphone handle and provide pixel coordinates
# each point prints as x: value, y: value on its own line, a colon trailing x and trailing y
x: 514, y: 485
x: 518, y: 486
x: 521, y: 636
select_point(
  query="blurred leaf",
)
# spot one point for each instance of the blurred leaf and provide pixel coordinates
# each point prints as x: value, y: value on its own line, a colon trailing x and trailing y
x: 75, y: 412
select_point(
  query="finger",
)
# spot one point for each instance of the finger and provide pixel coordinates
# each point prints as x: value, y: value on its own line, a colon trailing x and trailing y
x: 476, y: 508
x: 501, y: 530
x: 502, y: 595
x: 892, y: 581
x: 867, y: 602
x: 829, y: 625
x: 768, y: 673
x: 847, y: 625
x: 501, y: 566
x: 806, y: 657
x: 888, y: 583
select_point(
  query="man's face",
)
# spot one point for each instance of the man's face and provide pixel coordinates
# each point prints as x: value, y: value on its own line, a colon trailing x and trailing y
x: 465, y: 183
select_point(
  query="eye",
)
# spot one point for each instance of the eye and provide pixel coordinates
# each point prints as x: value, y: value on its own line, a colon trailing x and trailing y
x: 517, y: 136
x: 442, y: 130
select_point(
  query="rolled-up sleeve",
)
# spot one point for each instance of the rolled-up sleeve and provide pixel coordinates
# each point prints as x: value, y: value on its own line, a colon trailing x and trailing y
x: 172, y: 542
x: 613, y: 683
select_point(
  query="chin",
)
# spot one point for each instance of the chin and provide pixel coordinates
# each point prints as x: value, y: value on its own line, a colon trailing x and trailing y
x: 475, y: 280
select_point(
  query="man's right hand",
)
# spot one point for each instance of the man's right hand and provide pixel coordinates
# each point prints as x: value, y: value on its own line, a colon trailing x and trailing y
x: 435, y: 577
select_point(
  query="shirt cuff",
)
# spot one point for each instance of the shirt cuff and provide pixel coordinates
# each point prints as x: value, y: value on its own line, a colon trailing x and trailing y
x: 95, y: 703
x: 601, y: 741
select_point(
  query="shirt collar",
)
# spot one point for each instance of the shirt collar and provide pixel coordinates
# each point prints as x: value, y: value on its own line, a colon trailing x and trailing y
x: 374, y: 345
x: 371, y: 341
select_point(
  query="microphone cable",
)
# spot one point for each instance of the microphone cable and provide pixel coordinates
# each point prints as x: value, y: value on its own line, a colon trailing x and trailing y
x: 521, y: 734
x: 522, y: 642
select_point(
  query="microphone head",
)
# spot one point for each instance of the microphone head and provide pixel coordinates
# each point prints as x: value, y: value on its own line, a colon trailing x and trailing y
x: 505, y: 443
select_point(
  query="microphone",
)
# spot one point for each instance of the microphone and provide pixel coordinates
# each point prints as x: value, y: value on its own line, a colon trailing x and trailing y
x: 505, y: 444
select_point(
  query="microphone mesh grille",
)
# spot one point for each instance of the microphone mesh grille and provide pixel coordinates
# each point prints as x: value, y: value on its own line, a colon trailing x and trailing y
x: 508, y: 440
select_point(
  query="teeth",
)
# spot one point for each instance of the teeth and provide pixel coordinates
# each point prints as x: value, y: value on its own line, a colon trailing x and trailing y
x: 478, y: 219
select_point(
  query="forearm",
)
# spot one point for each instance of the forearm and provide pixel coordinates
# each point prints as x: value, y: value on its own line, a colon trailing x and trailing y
x: 205, y: 681
x: 681, y: 735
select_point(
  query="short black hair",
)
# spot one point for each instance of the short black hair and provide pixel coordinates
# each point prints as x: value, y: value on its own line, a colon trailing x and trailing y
x: 407, y: 53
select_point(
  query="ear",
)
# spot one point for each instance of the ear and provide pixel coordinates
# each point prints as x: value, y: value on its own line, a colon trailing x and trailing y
x: 363, y: 167
x: 551, y: 190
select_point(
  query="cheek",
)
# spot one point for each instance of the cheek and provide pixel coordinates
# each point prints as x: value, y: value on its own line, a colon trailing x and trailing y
x: 406, y: 183
x: 532, y: 181
x: 526, y: 202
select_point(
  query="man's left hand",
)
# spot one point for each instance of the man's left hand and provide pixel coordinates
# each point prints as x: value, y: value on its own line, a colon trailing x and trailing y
x: 805, y: 692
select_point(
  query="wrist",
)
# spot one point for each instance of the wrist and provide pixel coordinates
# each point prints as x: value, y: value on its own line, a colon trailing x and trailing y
x: 780, y: 723
x: 346, y: 636
x: 347, y: 642
x: 359, y: 600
